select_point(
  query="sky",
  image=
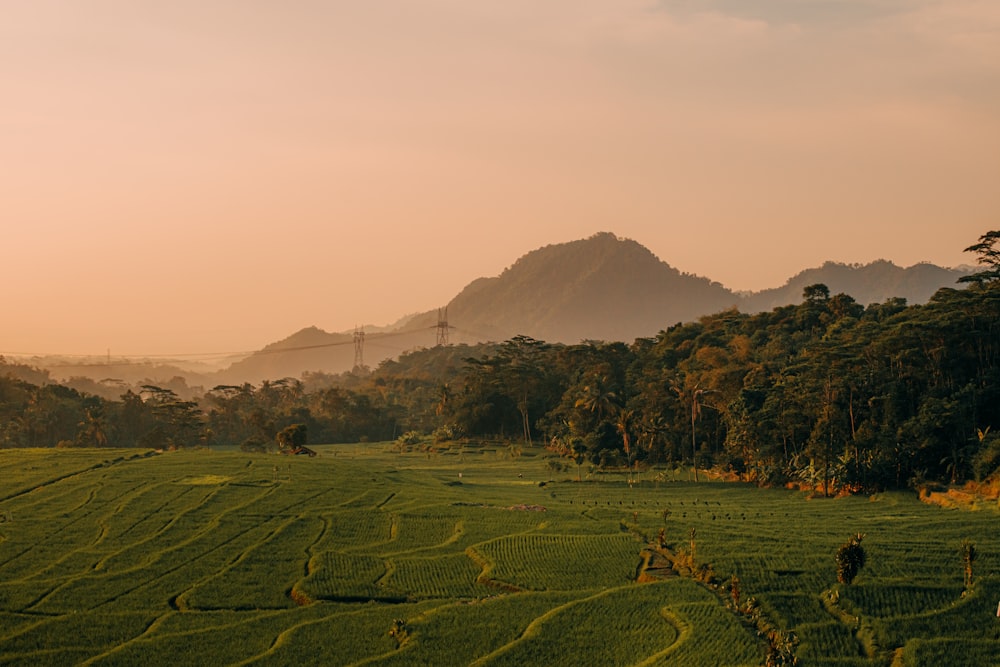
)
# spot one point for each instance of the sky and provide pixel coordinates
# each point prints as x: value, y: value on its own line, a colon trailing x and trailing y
x: 207, y: 176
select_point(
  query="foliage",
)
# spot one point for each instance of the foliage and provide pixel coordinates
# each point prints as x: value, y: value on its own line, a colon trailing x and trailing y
x: 987, y: 256
x: 293, y: 436
x: 409, y: 439
x: 850, y: 559
x: 827, y: 394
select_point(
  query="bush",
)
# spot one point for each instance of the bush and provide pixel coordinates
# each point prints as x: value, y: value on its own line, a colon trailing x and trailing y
x: 850, y: 559
x: 409, y: 439
x: 987, y: 460
x: 293, y: 437
x: 443, y: 434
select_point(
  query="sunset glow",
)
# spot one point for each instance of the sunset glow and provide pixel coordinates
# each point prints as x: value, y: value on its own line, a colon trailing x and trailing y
x: 192, y: 177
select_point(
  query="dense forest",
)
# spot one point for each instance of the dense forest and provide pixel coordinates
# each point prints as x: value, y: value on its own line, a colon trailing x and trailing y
x: 827, y: 392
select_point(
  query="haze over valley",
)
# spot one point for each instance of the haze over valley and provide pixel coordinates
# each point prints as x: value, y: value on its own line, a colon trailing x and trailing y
x: 195, y: 180
x: 600, y: 288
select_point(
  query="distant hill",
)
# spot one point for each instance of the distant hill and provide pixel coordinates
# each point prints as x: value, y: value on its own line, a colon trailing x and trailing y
x: 310, y: 349
x: 600, y: 288
x: 867, y: 284
x: 313, y: 349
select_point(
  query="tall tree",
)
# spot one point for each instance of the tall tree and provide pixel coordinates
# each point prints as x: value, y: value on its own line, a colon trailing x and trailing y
x: 987, y: 256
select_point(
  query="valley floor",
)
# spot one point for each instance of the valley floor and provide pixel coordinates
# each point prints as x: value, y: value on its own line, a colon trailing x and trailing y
x: 363, y: 555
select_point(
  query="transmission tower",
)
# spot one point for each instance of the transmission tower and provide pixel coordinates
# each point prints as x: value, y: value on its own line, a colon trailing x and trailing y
x: 442, y: 326
x: 359, y: 348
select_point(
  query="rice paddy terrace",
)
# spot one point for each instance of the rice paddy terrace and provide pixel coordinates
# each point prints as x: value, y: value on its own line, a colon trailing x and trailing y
x: 363, y: 555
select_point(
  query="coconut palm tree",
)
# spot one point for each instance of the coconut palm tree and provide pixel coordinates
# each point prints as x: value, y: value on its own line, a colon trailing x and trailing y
x: 598, y: 398
x: 623, y: 424
x: 695, y: 397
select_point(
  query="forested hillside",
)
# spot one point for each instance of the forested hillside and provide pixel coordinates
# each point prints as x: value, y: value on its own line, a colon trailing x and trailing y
x: 601, y: 288
x: 827, y: 391
x: 867, y: 283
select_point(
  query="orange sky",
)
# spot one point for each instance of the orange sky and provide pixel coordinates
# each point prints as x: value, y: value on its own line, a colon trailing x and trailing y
x: 191, y: 176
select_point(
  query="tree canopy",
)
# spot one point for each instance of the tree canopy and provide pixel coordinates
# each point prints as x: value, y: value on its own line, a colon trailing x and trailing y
x: 826, y: 392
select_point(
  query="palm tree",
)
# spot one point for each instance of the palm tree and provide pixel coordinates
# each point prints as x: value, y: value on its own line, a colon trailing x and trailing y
x: 93, y: 430
x: 444, y: 397
x: 598, y: 398
x: 695, y: 397
x: 623, y: 423
x: 652, y: 427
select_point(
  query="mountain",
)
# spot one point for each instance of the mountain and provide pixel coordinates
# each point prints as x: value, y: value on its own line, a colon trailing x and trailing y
x: 866, y: 283
x: 600, y: 288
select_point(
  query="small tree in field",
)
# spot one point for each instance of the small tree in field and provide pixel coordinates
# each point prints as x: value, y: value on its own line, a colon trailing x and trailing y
x: 291, y: 437
x: 850, y: 559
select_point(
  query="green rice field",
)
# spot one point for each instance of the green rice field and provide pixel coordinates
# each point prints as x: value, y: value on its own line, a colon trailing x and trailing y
x: 364, y: 555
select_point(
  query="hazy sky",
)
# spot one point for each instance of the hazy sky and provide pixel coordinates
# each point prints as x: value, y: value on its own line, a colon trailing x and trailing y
x: 213, y: 175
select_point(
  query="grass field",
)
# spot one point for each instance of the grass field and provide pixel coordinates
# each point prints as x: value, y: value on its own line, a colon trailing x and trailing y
x: 363, y: 555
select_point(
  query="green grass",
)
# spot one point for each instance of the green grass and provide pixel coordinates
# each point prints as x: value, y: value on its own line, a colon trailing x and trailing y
x: 547, y: 561
x: 122, y: 558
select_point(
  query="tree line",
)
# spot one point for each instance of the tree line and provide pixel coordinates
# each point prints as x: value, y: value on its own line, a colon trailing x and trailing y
x: 826, y: 392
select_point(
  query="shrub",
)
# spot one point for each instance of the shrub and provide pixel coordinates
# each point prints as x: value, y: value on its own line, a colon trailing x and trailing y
x: 292, y: 437
x: 987, y: 459
x: 850, y: 559
x: 409, y: 438
x: 443, y: 434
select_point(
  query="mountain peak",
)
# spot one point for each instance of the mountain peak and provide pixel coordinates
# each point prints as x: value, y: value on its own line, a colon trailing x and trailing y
x: 603, y: 287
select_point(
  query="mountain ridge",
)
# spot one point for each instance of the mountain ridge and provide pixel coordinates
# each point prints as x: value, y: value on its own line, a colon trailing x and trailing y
x: 869, y: 283
x: 606, y: 287
x: 603, y: 287
x: 550, y: 293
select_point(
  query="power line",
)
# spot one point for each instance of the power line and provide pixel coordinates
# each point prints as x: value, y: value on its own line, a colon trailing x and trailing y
x: 179, y: 355
x: 135, y: 359
x: 350, y: 341
x: 442, y: 328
